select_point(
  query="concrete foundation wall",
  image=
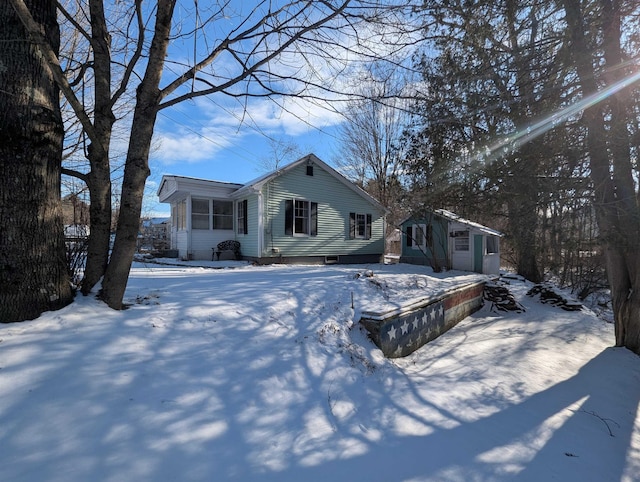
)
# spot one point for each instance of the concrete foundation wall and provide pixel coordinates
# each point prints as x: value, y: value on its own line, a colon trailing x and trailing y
x: 403, y: 331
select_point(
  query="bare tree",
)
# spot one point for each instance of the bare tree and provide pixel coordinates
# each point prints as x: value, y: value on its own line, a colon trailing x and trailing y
x: 280, y: 153
x: 370, y: 151
x: 268, y: 49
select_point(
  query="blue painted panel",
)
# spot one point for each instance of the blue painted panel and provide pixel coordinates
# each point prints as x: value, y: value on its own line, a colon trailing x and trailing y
x: 404, y: 334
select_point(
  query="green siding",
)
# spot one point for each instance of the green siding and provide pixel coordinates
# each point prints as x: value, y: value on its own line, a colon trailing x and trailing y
x: 440, y: 241
x: 335, y: 202
x: 477, y: 253
x: 249, y: 241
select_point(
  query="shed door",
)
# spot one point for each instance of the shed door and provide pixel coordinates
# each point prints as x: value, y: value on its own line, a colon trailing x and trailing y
x: 477, y: 253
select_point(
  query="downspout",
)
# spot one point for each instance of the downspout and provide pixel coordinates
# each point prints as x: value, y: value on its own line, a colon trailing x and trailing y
x: 260, y: 224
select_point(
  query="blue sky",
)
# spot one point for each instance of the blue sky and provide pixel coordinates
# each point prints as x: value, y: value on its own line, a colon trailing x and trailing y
x: 229, y: 137
x: 207, y: 139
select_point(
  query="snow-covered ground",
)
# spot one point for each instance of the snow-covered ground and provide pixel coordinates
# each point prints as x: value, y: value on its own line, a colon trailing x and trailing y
x: 263, y: 374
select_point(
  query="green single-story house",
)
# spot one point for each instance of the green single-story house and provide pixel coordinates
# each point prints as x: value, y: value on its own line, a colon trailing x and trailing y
x: 442, y: 239
x: 303, y: 212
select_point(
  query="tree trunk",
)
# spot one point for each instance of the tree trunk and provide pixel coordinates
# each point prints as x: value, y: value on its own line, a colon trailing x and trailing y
x: 100, y: 214
x: 616, y: 210
x: 136, y: 168
x: 34, y: 274
x: 99, y: 178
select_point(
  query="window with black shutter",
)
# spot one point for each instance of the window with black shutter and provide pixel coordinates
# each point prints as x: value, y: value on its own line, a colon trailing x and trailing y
x: 242, y: 224
x: 359, y: 226
x: 301, y: 218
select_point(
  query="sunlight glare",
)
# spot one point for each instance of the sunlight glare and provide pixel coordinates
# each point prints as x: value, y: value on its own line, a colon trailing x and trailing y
x: 515, y: 141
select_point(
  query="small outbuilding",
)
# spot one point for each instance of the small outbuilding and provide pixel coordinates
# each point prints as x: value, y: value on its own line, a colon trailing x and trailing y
x: 443, y: 240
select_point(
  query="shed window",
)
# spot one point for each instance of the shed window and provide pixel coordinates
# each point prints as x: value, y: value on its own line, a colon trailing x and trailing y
x: 420, y: 236
x: 461, y: 240
x: 492, y: 244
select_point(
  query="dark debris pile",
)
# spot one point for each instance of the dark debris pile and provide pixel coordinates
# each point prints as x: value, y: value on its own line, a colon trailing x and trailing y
x: 497, y: 293
x: 549, y: 294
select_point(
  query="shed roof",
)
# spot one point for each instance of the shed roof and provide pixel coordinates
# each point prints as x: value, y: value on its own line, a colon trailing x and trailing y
x: 450, y: 216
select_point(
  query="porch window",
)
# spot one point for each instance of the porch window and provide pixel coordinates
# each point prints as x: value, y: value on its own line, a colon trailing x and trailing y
x: 222, y: 214
x: 199, y: 213
x: 301, y: 218
x: 492, y: 244
x: 359, y: 226
x: 242, y: 217
x: 181, y: 215
x: 461, y: 240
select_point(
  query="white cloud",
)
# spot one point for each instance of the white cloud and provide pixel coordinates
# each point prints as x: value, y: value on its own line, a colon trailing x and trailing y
x: 191, y: 144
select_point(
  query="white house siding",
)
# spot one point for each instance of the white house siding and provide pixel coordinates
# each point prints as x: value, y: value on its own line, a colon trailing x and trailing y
x: 181, y: 243
x: 333, y: 220
x: 204, y: 240
x: 462, y: 260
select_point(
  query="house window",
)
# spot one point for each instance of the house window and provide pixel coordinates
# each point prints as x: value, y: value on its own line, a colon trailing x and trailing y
x: 301, y: 218
x: 222, y: 214
x: 359, y: 226
x: 492, y: 244
x: 461, y: 240
x: 199, y: 213
x: 242, y: 217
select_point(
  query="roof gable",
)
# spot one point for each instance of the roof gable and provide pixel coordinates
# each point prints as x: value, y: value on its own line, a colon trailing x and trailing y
x: 310, y: 159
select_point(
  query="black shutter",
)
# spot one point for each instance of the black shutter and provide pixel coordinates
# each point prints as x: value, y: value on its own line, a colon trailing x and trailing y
x: 352, y: 225
x: 367, y: 229
x: 288, y: 217
x: 245, y: 212
x: 314, y: 219
x: 409, y: 236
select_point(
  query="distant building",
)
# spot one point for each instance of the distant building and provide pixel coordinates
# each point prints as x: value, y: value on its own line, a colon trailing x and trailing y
x: 74, y: 211
x: 154, y: 234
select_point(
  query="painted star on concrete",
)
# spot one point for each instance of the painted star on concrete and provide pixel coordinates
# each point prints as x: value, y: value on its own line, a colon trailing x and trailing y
x: 415, y: 323
x: 392, y: 333
x: 405, y: 327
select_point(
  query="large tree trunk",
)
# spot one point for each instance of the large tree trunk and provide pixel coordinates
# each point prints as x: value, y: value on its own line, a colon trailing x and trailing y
x: 615, y: 203
x: 34, y: 274
x: 136, y: 168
